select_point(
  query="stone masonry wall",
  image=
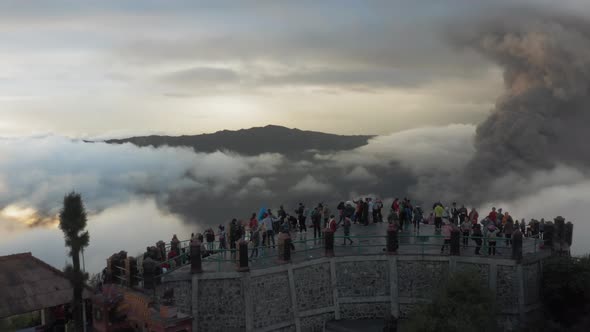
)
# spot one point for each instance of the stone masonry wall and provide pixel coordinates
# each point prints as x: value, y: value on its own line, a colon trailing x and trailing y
x: 420, y: 279
x: 507, y: 289
x: 272, y: 301
x: 182, y: 294
x: 532, y: 283
x: 362, y: 279
x: 220, y: 305
x: 303, y: 297
x: 313, y: 286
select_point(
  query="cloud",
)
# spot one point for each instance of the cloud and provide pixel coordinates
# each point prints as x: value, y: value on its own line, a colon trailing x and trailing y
x: 359, y: 173
x: 561, y: 191
x: 254, y: 187
x: 44, y: 169
x: 199, y: 77
x: 310, y: 185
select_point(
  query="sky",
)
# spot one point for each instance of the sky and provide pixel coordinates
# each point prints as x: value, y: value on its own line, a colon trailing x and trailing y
x: 112, y: 68
x: 471, y: 100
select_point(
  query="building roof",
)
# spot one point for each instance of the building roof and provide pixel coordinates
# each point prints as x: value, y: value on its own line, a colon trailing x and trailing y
x: 28, y: 284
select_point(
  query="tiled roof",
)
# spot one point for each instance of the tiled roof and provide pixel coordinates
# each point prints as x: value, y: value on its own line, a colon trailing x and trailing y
x: 29, y: 284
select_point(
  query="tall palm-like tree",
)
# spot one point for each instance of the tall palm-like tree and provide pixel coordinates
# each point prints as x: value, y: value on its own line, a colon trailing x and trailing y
x: 72, y: 221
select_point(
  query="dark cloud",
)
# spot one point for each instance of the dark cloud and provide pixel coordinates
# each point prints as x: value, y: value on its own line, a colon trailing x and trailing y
x: 540, y: 120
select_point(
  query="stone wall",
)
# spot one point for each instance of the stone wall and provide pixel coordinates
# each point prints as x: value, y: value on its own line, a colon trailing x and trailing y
x: 181, y: 291
x: 271, y: 292
x: 219, y: 305
x: 304, y: 296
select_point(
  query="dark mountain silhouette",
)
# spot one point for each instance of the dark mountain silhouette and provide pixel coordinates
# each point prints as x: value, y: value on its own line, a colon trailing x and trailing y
x: 254, y: 141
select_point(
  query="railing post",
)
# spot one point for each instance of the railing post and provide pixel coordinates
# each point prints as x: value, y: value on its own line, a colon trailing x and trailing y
x: 329, y: 243
x: 517, y: 246
x: 149, y: 269
x: 243, y: 256
x: 548, y: 236
x: 284, y: 248
x: 455, y: 242
x: 392, y: 239
x: 161, y: 245
x: 569, y: 231
x: 196, y: 258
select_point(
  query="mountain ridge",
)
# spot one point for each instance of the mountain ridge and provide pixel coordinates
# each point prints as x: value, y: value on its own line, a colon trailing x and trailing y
x: 255, y: 140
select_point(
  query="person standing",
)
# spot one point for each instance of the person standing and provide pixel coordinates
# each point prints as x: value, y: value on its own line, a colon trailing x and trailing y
x: 454, y: 213
x: 300, y: 212
x: 316, y: 219
x: 366, y: 212
x: 253, y: 223
x: 438, y: 215
x: 446, y: 232
x: 255, y: 239
x: 493, y: 215
x: 466, y: 231
x: 378, y: 210
x: 270, y: 234
x: 508, y: 229
x: 492, y: 234
x: 477, y: 238
x: 347, y: 223
x: 473, y: 216
x: 462, y: 214
x: 418, y: 217
x: 332, y: 225
x: 326, y: 214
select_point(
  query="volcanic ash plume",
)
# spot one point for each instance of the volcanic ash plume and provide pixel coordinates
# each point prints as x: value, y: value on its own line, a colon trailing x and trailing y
x: 542, y: 119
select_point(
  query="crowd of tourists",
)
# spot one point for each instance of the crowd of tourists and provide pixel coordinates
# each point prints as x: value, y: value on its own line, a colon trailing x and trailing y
x: 262, y: 228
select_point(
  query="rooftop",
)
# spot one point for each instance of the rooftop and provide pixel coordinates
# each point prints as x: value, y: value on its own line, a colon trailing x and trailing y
x: 28, y: 284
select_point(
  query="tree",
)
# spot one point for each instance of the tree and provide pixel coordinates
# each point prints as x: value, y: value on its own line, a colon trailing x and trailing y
x: 72, y: 221
x: 464, y: 304
x: 566, y: 294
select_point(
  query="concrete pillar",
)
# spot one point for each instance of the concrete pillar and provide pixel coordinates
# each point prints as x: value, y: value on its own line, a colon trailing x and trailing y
x: 329, y: 243
x: 548, y: 236
x: 243, y: 256
x: 43, y: 320
x: 129, y: 271
x: 84, y: 315
x: 559, y: 234
x: 149, y: 270
x: 392, y: 239
x: 161, y: 245
x: 284, y: 248
x: 569, y: 232
x: 196, y: 258
x: 517, y: 245
x: 455, y: 242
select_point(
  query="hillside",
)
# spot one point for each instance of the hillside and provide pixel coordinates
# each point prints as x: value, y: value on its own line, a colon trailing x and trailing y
x: 254, y: 141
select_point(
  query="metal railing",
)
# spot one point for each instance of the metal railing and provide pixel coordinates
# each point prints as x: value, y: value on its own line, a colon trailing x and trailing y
x: 262, y: 256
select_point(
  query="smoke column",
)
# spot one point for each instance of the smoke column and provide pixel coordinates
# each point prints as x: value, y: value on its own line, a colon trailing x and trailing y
x: 542, y: 119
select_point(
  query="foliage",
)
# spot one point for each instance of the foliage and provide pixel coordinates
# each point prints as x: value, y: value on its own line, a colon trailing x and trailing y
x: 20, y: 321
x: 566, y: 293
x: 464, y: 304
x: 72, y: 221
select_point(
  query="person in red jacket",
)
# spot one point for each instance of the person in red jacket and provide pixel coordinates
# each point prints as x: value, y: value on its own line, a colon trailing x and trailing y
x: 493, y: 215
x: 474, y: 216
x: 332, y: 224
